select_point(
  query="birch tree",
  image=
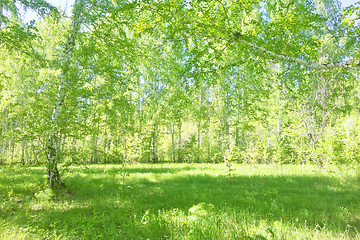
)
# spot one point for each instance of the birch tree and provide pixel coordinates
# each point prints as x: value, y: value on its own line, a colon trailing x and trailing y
x: 54, y: 141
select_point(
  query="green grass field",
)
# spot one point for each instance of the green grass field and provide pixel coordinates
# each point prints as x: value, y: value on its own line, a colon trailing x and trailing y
x: 181, y: 201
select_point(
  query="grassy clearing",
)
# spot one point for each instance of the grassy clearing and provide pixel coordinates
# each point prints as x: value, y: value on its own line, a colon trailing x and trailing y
x: 170, y: 201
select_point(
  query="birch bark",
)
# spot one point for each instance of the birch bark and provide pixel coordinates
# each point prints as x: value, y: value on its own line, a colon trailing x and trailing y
x: 179, y: 141
x: 53, y: 174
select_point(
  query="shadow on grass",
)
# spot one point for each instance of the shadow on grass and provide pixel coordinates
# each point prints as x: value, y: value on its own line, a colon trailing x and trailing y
x: 106, y: 202
x: 113, y: 169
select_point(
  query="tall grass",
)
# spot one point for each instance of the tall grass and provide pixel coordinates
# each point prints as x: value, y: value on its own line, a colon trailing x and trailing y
x: 181, y: 201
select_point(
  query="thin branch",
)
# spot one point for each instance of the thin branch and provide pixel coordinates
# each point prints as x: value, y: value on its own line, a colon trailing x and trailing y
x: 222, y: 50
x: 172, y: 41
x: 152, y: 29
x: 162, y: 13
x: 224, y: 9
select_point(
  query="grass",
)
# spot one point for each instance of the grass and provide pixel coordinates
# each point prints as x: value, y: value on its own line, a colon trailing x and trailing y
x: 181, y: 201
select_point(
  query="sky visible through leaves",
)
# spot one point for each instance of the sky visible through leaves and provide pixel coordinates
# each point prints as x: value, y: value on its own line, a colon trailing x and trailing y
x: 67, y: 5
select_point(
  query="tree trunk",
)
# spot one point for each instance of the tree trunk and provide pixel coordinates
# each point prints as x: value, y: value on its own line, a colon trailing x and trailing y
x: 95, y: 139
x: 237, y: 140
x: 28, y: 153
x: 279, y: 119
x: 53, y: 174
x: 172, y: 129
x: 179, y: 143
x: 226, y: 122
x: 23, y: 143
x: 242, y: 139
x: 105, y: 140
x: 3, y: 142
x: 124, y: 143
x: 34, y: 153
x: 74, y: 148
x: 2, y: 147
x: 12, y: 150
x: 1, y: 14
x: 140, y: 114
x: 1, y: 157
x: 301, y: 154
x: 199, y: 127
x: 154, y: 154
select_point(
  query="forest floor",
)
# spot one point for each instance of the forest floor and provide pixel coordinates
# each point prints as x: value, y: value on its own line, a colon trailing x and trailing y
x: 181, y: 201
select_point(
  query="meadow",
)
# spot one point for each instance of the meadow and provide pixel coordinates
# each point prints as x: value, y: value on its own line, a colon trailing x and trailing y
x: 181, y: 201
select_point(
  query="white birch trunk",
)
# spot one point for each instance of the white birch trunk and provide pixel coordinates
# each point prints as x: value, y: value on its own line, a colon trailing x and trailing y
x: 53, y: 143
x: 172, y: 129
x: 199, y: 127
x: 124, y: 144
x: 179, y: 143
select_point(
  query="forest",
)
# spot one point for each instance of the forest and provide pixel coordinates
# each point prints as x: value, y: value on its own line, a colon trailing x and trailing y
x: 124, y: 87
x: 180, y: 81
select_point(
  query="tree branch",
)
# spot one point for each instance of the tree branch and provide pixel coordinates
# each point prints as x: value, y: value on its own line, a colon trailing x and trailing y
x: 282, y: 57
x: 223, y: 49
x: 285, y: 58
